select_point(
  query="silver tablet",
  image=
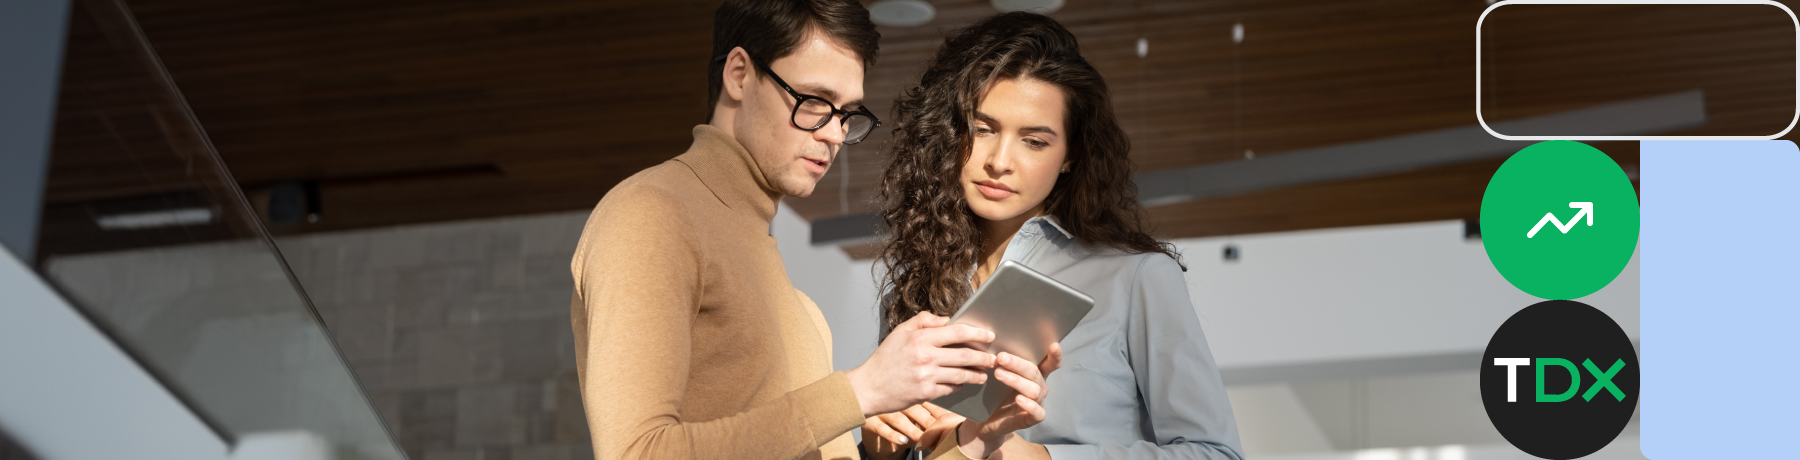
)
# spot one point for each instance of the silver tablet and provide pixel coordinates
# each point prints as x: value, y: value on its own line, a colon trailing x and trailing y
x: 1027, y: 311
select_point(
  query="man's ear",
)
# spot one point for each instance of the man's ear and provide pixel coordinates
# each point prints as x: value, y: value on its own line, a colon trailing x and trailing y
x: 739, y: 74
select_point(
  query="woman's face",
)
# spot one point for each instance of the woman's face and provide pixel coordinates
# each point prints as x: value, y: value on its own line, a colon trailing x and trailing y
x: 1020, y: 145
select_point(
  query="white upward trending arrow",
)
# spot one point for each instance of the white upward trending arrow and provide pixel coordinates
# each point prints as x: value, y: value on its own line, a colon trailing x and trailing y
x: 1587, y: 209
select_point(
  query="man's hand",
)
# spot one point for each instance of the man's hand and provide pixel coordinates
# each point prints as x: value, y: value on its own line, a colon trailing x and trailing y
x: 979, y: 440
x: 914, y: 365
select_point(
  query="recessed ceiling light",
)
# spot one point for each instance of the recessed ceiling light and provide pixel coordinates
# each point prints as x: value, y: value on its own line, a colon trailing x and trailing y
x: 1034, y: 6
x: 156, y: 219
x: 1237, y: 33
x: 1143, y: 47
x: 901, y: 13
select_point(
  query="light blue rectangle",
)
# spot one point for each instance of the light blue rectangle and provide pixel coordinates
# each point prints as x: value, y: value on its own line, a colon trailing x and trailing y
x: 1721, y: 263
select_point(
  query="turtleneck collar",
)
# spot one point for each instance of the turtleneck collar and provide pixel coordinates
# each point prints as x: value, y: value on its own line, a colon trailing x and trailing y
x: 730, y: 172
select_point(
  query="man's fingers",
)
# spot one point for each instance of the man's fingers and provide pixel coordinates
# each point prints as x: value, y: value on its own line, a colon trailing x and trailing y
x: 962, y: 357
x: 955, y: 334
x: 927, y: 319
x: 944, y: 388
x: 904, y: 326
x: 920, y: 321
x: 936, y: 412
x: 959, y: 376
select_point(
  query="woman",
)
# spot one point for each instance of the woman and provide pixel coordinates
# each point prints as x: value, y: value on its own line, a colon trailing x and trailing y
x: 1008, y: 150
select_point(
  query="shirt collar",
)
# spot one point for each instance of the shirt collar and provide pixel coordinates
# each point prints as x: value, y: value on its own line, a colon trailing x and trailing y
x: 1052, y: 222
x: 728, y: 170
x: 1027, y: 242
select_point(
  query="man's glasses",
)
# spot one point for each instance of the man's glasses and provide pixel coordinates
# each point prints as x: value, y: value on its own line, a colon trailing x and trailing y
x: 813, y: 112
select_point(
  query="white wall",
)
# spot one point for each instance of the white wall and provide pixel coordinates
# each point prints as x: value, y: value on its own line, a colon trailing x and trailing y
x: 1361, y: 293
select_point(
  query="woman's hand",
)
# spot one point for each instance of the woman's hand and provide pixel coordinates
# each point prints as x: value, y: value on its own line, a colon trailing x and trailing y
x: 888, y: 435
x: 946, y: 421
x: 980, y: 440
x: 880, y: 447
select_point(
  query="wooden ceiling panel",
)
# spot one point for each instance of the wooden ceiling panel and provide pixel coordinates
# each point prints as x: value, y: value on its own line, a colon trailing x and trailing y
x: 561, y: 99
x: 1196, y: 97
x: 558, y: 95
x: 1311, y: 75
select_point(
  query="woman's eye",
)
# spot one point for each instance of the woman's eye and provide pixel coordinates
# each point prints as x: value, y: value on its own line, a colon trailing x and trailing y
x: 1034, y: 143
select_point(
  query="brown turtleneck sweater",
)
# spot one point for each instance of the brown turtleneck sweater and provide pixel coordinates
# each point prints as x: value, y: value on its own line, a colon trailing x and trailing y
x: 690, y: 342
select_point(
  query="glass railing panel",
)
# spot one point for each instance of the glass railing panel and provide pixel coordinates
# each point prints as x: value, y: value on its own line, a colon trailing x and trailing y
x: 145, y: 230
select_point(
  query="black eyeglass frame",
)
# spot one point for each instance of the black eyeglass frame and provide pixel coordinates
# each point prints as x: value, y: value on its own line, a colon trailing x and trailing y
x: 800, y: 99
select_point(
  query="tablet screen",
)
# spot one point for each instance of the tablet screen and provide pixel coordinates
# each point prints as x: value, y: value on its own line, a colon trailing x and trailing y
x: 1027, y: 311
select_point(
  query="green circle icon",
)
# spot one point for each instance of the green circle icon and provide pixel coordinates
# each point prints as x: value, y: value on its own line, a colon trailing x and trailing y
x: 1559, y: 220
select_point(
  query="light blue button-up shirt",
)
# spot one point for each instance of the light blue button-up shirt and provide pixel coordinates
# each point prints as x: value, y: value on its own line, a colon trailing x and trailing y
x: 1138, y: 380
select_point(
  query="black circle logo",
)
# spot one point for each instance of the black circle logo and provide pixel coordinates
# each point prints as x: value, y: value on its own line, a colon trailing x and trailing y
x: 1559, y: 379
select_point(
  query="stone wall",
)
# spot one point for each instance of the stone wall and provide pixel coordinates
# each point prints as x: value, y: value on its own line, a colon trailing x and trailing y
x: 459, y: 332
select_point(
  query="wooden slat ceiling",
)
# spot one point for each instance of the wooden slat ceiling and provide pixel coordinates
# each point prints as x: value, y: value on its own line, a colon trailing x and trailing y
x: 1312, y: 74
x: 123, y: 145
x: 557, y: 100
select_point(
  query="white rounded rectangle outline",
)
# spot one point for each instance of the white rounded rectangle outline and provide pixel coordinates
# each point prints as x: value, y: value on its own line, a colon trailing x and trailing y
x: 1490, y: 9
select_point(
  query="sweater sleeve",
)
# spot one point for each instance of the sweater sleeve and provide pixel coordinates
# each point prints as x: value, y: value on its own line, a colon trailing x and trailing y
x: 638, y: 278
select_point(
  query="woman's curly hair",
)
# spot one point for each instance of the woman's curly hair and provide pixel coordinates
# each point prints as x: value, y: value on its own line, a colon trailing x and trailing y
x: 935, y: 238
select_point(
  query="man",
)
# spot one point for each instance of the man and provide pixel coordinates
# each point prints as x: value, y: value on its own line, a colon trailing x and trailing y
x: 690, y: 340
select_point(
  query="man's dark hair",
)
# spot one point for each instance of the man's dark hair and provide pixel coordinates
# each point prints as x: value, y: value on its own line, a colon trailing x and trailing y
x: 772, y: 29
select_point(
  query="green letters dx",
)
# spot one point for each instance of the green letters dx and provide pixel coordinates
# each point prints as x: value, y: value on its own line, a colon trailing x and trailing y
x: 1602, y: 379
